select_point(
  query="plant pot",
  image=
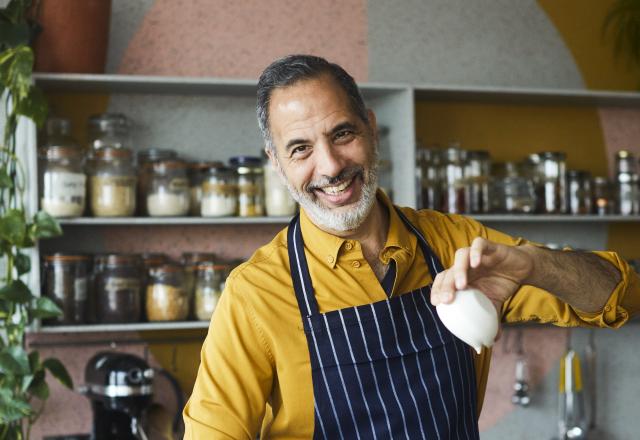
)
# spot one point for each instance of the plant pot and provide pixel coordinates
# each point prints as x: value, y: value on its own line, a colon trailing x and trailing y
x: 74, y: 37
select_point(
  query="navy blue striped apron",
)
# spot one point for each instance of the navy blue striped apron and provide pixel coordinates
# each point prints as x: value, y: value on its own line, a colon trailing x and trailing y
x: 387, y: 370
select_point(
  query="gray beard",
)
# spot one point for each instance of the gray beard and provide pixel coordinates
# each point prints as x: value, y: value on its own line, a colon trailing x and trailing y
x: 343, y: 221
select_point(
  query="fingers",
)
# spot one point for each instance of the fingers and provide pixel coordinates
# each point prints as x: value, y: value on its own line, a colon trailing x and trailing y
x: 478, y: 247
x: 460, y: 268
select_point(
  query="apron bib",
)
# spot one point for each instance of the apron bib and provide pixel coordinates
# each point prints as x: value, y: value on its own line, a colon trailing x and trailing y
x: 387, y: 370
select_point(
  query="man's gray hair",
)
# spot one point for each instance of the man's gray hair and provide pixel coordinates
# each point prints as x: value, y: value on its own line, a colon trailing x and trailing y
x: 291, y: 69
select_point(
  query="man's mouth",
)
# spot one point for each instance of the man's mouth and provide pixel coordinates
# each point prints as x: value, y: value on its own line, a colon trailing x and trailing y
x: 334, y: 190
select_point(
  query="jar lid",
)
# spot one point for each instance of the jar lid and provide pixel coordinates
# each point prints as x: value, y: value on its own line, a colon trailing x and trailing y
x: 212, y: 266
x: 623, y: 154
x: 166, y: 268
x: 197, y: 257
x: 60, y: 152
x: 58, y: 126
x: 154, y: 259
x: 153, y: 154
x: 578, y: 174
x: 112, y: 153
x: 453, y: 153
x: 220, y: 171
x: 163, y: 166
x: 60, y: 257
x: 117, y: 259
x: 246, y: 164
x: 204, y: 165
x: 552, y: 155
x: 600, y: 180
x: 109, y: 121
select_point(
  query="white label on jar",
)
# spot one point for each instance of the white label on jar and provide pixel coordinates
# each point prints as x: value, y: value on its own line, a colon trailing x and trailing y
x: 80, y: 289
x: 64, y: 186
x: 116, y: 284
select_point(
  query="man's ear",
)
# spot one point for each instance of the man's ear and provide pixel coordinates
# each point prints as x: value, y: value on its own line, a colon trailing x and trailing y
x: 373, y: 123
x: 271, y: 154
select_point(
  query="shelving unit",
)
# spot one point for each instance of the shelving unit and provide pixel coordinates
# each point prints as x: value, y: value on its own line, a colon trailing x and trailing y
x: 224, y: 110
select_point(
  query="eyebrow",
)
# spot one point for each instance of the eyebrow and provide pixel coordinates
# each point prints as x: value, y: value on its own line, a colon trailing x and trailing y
x: 342, y: 126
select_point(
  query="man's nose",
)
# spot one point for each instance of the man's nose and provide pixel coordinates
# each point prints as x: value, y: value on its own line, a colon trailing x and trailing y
x: 328, y: 160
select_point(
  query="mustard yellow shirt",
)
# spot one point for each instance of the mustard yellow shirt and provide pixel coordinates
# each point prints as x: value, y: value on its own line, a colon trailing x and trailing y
x: 255, y: 373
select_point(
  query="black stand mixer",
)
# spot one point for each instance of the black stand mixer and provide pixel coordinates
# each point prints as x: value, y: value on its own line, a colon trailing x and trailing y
x: 120, y: 387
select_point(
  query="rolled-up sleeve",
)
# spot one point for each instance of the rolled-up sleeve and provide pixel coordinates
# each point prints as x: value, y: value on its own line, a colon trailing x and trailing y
x: 235, y: 375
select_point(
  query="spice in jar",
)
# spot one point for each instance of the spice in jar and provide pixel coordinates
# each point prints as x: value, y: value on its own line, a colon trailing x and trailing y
x: 61, y: 180
x: 190, y: 262
x: 219, y: 192
x: 603, y: 202
x: 112, y: 183
x: 428, y: 177
x: 579, y: 194
x: 552, y: 175
x: 476, y: 172
x: 209, y: 286
x: 117, y: 288
x: 166, y: 298
x: 168, y: 191
x: 627, y: 184
x: 278, y: 200
x: 145, y: 171
x: 196, y: 172
x: 66, y: 284
x: 454, y: 192
x: 250, y: 185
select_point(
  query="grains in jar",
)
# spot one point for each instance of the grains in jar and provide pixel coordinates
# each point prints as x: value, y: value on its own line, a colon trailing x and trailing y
x: 112, y: 183
x: 219, y: 192
x: 250, y: 185
x: 62, y: 181
x: 209, y: 287
x: 166, y: 298
x: 168, y: 191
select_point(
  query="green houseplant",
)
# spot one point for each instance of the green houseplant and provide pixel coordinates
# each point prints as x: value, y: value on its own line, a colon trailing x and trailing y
x: 23, y: 386
x: 623, y: 22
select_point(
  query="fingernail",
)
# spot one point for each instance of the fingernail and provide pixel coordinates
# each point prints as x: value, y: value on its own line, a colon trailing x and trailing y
x: 460, y: 281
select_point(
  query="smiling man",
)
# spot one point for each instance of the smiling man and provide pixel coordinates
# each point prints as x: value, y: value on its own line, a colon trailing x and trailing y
x: 330, y: 330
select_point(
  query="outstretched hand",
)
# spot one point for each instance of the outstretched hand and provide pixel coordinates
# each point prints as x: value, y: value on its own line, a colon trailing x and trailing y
x: 495, y: 269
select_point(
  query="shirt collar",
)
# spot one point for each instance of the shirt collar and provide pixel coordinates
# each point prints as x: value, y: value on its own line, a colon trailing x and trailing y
x: 325, y: 246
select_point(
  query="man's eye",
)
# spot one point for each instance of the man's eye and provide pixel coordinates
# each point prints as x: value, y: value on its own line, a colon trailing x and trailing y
x: 298, y: 150
x: 343, y: 134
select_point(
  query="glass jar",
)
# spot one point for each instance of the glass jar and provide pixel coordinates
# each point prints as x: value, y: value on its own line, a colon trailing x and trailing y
x: 197, y: 172
x: 603, y: 203
x: 117, y: 282
x: 58, y: 133
x: 429, y: 178
x: 477, y: 170
x: 579, y: 193
x: 111, y: 130
x: 552, y: 174
x: 112, y: 183
x: 209, y: 286
x: 168, y: 191
x: 455, y: 189
x: 511, y: 191
x: 166, y: 298
x: 219, y: 192
x: 190, y: 262
x: 278, y: 200
x: 627, y: 181
x: 144, y: 158
x: 65, y: 282
x: 62, y: 181
x: 250, y: 185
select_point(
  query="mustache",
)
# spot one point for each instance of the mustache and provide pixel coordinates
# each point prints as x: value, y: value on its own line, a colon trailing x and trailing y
x: 346, y: 174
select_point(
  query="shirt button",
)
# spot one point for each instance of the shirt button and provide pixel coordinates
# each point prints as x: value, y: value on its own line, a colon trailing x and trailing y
x: 356, y: 264
x: 607, y: 308
x: 330, y: 259
x: 387, y: 254
x: 348, y: 246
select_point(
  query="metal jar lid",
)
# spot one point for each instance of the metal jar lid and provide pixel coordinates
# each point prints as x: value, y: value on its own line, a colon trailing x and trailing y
x: 153, y: 154
x: 60, y: 152
x: 246, y: 164
x: 109, y: 121
x: 112, y: 153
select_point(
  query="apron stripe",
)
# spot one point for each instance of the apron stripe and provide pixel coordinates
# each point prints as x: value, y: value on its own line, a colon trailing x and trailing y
x: 355, y: 368
x: 344, y: 387
x: 373, y: 373
x: 319, y: 419
x: 302, y: 281
x: 404, y: 371
x: 386, y: 358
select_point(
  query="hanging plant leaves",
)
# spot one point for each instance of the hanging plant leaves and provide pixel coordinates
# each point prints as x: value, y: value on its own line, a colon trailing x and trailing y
x: 15, y: 70
x: 45, y: 226
x: 15, y: 359
x: 13, y: 227
x: 12, y: 35
x: 38, y: 386
x: 16, y: 291
x: 5, y: 180
x: 34, y: 106
x: 58, y: 371
x: 44, y: 308
x: 12, y: 407
x: 22, y: 263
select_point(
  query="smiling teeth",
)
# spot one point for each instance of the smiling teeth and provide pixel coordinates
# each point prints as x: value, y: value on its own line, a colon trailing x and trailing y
x: 334, y: 190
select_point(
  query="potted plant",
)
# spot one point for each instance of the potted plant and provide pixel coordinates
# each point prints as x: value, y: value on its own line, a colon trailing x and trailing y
x: 623, y: 20
x: 23, y: 385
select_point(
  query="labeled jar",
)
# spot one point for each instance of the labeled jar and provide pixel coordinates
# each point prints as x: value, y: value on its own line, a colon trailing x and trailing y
x: 250, y: 185
x: 118, y: 285
x: 278, y: 200
x: 62, y: 181
x: 209, y: 286
x: 66, y: 283
x: 58, y: 133
x: 219, y: 192
x: 149, y: 261
x: 111, y: 130
x: 552, y: 175
x: 197, y: 172
x: 627, y: 184
x: 166, y: 298
x: 190, y: 262
x: 579, y: 192
x: 603, y: 201
x: 428, y: 178
x: 168, y: 191
x: 455, y: 189
x: 511, y: 191
x: 112, y: 183
x: 144, y: 158
x: 477, y: 170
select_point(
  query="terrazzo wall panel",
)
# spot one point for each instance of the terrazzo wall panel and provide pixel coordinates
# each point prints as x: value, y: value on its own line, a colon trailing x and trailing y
x: 486, y: 42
